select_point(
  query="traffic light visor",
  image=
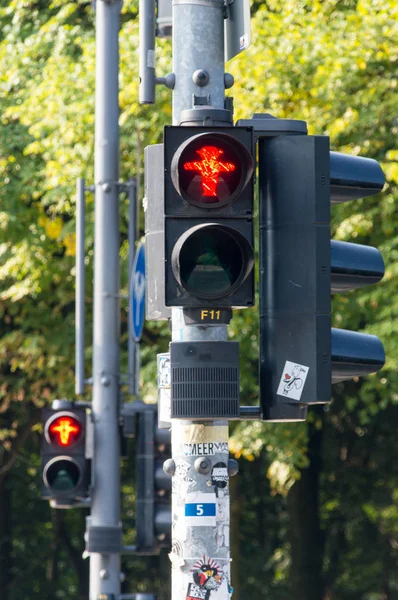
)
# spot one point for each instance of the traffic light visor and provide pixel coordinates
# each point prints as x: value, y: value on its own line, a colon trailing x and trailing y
x: 209, y: 170
x: 211, y: 260
x: 64, y: 430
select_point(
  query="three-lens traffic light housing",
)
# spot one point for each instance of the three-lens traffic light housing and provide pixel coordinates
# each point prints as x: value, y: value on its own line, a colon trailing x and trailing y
x: 208, y: 216
x: 300, y: 267
x: 65, y: 468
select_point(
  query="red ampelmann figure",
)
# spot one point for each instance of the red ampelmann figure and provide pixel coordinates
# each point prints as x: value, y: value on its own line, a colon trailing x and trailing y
x: 209, y: 168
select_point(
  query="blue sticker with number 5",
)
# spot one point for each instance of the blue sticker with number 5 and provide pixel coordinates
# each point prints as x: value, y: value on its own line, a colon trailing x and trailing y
x: 200, y: 509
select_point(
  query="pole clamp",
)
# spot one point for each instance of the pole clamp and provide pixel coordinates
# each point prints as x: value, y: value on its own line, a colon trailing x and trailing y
x: 103, y: 540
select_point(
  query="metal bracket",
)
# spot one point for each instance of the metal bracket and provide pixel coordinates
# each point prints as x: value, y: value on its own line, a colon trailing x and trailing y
x: 103, y: 540
x: 128, y: 416
x: 206, y: 116
x: 169, y: 81
x: 226, y: 7
x: 133, y: 550
x: 265, y: 125
x: 82, y: 503
x: 200, y: 100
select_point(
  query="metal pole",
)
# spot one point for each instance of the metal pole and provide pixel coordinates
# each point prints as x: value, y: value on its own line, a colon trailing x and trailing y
x: 198, y: 44
x: 146, y: 12
x: 80, y: 287
x: 133, y: 347
x: 105, y: 509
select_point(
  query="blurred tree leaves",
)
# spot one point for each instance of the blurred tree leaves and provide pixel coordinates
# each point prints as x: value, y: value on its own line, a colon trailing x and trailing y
x: 332, y: 63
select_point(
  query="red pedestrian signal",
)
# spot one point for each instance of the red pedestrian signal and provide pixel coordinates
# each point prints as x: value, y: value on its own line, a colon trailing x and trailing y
x: 64, y: 431
x: 208, y: 210
x: 210, y: 168
x: 65, y: 467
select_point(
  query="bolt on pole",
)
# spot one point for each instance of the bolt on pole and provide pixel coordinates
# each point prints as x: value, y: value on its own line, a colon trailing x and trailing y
x: 200, y: 552
x: 104, y: 530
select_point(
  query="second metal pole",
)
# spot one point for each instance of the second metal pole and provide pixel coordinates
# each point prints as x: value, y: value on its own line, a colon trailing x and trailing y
x: 105, y: 509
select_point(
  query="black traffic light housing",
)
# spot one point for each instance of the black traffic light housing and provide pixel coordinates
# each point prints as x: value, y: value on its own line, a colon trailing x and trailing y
x: 300, y: 355
x: 153, y: 485
x: 65, y: 468
x: 208, y: 216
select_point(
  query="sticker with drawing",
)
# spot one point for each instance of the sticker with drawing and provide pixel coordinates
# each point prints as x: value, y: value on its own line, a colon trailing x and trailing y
x: 292, y: 381
x: 207, y: 574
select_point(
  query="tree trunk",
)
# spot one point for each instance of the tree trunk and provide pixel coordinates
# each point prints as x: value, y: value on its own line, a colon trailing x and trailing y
x: 5, y: 538
x: 81, y: 566
x: 306, y: 537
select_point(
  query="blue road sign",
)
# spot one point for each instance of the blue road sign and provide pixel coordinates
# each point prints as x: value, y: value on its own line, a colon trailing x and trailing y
x: 137, y: 293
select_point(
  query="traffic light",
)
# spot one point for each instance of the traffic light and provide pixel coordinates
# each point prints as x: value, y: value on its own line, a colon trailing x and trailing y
x: 300, y: 355
x: 65, y: 468
x: 153, y: 485
x: 208, y: 210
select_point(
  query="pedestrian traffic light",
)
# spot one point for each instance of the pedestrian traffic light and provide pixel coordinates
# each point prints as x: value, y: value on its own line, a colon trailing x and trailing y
x: 65, y: 468
x: 208, y: 209
x: 300, y: 355
x: 153, y: 485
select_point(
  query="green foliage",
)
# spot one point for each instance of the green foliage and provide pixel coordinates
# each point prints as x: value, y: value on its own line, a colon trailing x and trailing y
x: 332, y: 63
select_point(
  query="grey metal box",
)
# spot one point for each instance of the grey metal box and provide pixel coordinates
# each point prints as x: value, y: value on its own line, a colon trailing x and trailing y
x: 204, y: 380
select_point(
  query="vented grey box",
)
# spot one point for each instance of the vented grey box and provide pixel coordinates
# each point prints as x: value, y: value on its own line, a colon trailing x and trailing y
x: 204, y: 380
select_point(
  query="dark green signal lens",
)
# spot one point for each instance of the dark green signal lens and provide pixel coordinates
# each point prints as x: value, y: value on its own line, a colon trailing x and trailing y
x: 62, y: 475
x: 210, y: 261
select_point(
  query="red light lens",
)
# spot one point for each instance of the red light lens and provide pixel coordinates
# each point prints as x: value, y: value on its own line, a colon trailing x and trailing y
x: 210, y: 166
x: 64, y: 431
x: 210, y: 170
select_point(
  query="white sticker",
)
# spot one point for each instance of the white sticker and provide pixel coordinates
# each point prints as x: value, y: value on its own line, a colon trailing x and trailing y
x: 205, y: 448
x: 292, y: 381
x: 244, y: 41
x: 164, y: 370
x: 201, y: 509
x: 151, y: 59
x: 164, y: 397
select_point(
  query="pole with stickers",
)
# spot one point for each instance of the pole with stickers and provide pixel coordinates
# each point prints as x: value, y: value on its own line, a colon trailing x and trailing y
x: 204, y: 370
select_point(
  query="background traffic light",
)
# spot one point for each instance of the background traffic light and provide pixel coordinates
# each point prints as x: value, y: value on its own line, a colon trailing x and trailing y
x: 208, y: 209
x: 300, y: 355
x: 153, y: 485
x: 65, y: 468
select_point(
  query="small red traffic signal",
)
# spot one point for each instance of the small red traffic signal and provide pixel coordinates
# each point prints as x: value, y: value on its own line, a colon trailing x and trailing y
x: 64, y: 430
x: 65, y: 468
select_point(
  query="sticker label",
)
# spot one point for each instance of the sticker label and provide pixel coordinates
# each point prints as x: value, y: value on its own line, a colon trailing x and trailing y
x: 201, y: 510
x: 205, y: 448
x: 205, y: 509
x: 244, y: 41
x: 292, y: 380
x: 175, y: 555
x: 164, y: 370
x: 151, y: 59
x: 195, y: 592
x: 219, y: 475
x: 207, y: 574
